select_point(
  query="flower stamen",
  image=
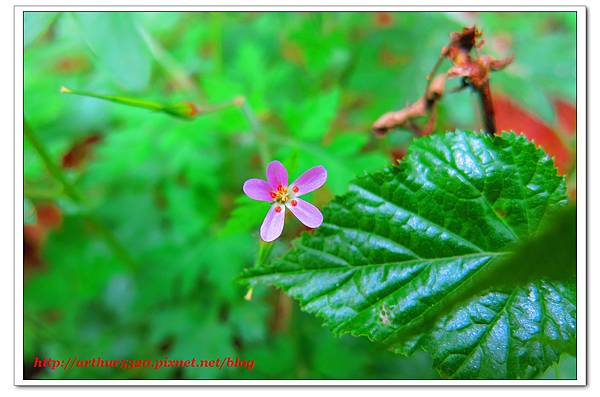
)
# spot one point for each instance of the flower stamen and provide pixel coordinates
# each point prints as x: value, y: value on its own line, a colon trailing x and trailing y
x: 281, y: 195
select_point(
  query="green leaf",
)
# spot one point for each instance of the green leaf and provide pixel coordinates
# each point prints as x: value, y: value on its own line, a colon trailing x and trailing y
x: 549, y: 254
x: 342, y: 158
x: 512, y: 333
x: 250, y: 68
x: 348, y: 144
x: 246, y: 215
x: 118, y: 46
x: 312, y: 119
x: 403, y: 243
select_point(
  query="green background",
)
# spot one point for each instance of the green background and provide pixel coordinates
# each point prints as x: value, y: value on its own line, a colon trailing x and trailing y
x: 143, y: 266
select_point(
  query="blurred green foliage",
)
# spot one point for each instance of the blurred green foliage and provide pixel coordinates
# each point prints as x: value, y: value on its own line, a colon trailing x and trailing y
x: 168, y: 191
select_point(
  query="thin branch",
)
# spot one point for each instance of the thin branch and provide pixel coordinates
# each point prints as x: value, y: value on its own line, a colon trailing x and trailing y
x: 257, y: 130
x: 423, y: 107
x: 487, y: 107
x: 53, y: 169
x: 72, y: 193
x: 171, y: 66
x: 430, y: 78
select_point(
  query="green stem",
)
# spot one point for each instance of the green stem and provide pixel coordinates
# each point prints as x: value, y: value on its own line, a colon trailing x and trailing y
x: 44, y: 331
x: 54, y: 169
x: 140, y: 103
x: 170, y: 65
x: 72, y: 193
x: 42, y: 193
x: 183, y: 109
x: 110, y: 240
x: 431, y: 74
x: 258, y: 132
x: 264, y: 251
x: 216, y: 28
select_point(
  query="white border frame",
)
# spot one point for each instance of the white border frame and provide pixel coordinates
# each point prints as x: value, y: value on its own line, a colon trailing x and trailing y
x: 582, y: 107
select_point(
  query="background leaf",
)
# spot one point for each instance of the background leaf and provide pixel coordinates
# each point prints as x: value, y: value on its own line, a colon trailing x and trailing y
x: 322, y: 111
x: 118, y: 47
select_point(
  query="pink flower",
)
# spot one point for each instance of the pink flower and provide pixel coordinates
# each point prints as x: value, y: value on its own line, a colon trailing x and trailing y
x: 277, y: 191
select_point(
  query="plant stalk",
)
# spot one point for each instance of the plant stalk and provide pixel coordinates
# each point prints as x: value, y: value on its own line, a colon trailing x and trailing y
x: 487, y: 108
x: 257, y: 131
x: 72, y: 193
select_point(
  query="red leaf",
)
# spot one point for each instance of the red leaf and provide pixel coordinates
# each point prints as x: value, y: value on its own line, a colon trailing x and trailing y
x: 566, y: 114
x: 510, y: 116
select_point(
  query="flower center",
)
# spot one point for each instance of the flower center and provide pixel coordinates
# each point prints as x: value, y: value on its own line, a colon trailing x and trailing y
x: 281, y: 195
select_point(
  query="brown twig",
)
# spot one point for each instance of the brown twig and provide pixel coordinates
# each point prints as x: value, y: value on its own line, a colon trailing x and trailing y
x: 423, y: 107
x: 487, y: 106
x: 430, y: 78
x: 474, y: 70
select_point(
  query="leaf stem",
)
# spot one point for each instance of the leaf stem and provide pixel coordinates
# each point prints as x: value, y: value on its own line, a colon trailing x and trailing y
x: 42, y: 193
x: 216, y: 31
x: 142, y: 103
x: 257, y: 131
x: 431, y: 74
x: 170, y: 65
x: 487, y: 107
x: 53, y: 169
x: 264, y: 251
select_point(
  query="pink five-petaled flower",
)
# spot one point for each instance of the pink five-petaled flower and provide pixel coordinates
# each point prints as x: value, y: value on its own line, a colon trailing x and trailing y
x: 277, y: 191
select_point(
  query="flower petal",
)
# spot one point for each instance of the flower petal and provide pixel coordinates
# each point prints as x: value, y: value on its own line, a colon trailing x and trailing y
x: 306, y: 213
x: 272, y: 226
x: 277, y: 174
x: 258, y: 189
x: 311, y: 180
